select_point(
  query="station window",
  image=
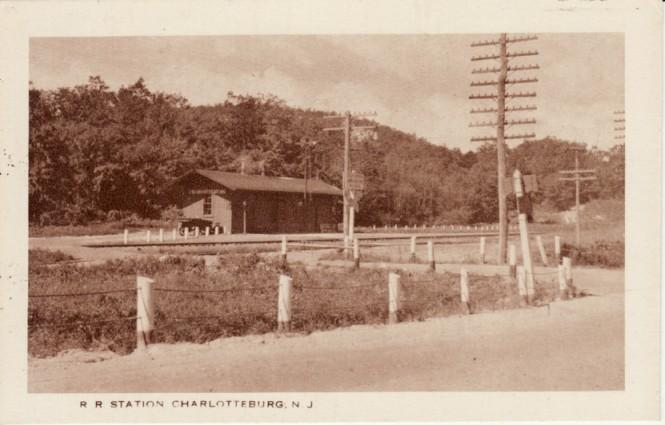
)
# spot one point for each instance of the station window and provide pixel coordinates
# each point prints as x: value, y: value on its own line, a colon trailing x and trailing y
x: 207, y: 205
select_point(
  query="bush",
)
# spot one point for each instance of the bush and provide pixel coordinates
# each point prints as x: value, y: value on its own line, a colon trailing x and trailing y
x: 42, y: 257
x: 601, y: 253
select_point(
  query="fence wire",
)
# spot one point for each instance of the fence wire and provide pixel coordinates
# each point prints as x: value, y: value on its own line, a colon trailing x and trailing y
x: 338, y: 288
x: 227, y: 290
x: 336, y: 310
x: 81, y: 294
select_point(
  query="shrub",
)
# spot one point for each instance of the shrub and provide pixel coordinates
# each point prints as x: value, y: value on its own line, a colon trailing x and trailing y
x: 601, y: 253
x: 42, y: 257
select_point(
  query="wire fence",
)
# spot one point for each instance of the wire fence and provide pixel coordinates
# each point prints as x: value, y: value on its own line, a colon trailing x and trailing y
x: 81, y: 294
x: 354, y: 302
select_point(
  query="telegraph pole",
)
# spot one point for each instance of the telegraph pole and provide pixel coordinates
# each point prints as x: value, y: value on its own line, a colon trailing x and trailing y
x: 577, y: 176
x: 345, y: 174
x: 347, y: 128
x: 500, y: 96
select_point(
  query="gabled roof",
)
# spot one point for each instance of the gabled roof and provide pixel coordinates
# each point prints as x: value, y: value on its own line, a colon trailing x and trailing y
x: 236, y: 181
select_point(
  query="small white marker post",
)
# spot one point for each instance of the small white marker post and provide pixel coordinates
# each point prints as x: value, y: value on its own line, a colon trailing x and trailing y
x: 351, y: 236
x: 512, y: 261
x: 563, y: 286
x: 186, y: 232
x: 147, y: 236
x: 524, y: 234
x: 207, y: 231
x: 345, y: 248
x: 557, y: 250
x: 144, y: 311
x: 482, y: 249
x: 283, y: 251
x: 464, y: 290
x: 541, y: 249
x: 356, y: 253
x: 393, y: 297
x: 521, y: 285
x: 174, y: 234
x: 373, y: 226
x: 125, y: 238
x: 284, y: 304
x: 530, y: 289
x: 568, y: 268
x: 430, y: 255
x: 161, y: 235
x: 413, y: 249
x: 196, y: 232
x: 216, y: 230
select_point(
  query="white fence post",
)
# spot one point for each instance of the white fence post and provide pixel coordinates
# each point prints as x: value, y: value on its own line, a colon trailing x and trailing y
x: 557, y: 249
x: 216, y: 230
x: 196, y: 232
x: 393, y: 297
x: 161, y: 235
x: 174, y: 234
x: 125, y: 237
x: 526, y: 252
x: 145, y: 312
x: 284, y: 304
x: 541, y: 249
x: 186, y: 232
x: 147, y: 236
x: 413, y: 249
x: 207, y: 230
x: 464, y: 290
x: 356, y: 253
x: 482, y: 249
x: 512, y: 261
x: 521, y: 285
x: 430, y: 255
x: 283, y: 251
x: 568, y: 268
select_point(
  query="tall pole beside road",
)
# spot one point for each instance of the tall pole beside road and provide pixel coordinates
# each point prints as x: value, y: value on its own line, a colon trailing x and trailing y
x: 577, y: 175
x: 500, y: 97
x: 347, y: 128
x: 345, y: 174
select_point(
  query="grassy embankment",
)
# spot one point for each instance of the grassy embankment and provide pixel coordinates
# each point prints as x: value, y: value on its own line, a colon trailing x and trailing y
x: 322, y: 299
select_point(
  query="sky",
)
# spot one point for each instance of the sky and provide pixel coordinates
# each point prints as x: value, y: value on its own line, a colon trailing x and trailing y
x: 419, y: 84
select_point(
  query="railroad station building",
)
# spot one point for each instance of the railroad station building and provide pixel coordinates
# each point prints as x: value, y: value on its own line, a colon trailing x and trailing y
x: 241, y: 203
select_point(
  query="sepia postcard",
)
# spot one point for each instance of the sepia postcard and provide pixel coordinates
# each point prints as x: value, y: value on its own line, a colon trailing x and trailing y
x: 362, y: 211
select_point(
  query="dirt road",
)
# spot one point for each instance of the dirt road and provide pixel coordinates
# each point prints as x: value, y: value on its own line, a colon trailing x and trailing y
x: 573, y: 345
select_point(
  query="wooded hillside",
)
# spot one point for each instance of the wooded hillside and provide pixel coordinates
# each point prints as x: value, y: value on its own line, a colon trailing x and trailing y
x: 98, y: 154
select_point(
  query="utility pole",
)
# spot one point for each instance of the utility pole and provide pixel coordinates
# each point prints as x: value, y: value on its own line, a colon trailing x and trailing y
x: 347, y: 128
x: 307, y: 196
x: 577, y: 176
x: 503, y: 56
